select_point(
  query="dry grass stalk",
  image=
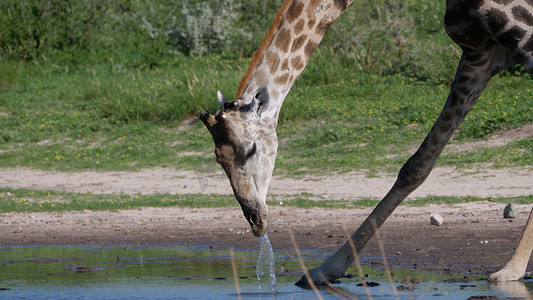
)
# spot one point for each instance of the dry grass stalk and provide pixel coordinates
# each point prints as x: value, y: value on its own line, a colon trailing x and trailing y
x: 357, y: 263
x: 335, y: 291
x: 304, y: 268
x: 234, y: 267
x: 385, y: 263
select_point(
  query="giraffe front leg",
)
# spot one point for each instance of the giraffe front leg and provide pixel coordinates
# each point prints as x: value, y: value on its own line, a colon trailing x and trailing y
x: 516, y: 267
x: 473, y: 74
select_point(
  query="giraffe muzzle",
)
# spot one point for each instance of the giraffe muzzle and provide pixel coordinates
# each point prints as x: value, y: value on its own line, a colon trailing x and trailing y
x: 258, y: 222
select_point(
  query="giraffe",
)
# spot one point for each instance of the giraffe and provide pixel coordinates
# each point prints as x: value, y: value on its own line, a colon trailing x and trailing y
x: 493, y: 35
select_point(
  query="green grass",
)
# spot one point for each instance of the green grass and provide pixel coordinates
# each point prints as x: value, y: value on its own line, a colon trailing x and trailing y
x: 373, y: 121
x: 24, y: 200
x: 103, y: 118
x: 79, y: 100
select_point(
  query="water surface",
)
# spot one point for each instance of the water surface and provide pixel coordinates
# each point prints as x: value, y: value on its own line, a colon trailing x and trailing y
x: 144, y: 272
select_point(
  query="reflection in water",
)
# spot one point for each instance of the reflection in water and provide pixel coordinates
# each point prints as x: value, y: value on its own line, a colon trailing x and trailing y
x: 150, y: 272
x: 514, y: 289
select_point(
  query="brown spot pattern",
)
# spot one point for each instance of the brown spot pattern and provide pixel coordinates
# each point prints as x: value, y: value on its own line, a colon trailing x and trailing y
x: 261, y: 77
x: 496, y: 19
x: 312, y: 7
x: 283, y: 39
x: 511, y: 38
x: 298, y: 43
x: 297, y: 63
x: 267, y: 41
x: 299, y: 27
x: 272, y: 61
x: 341, y: 4
x: 311, y: 23
x: 294, y: 11
x: 322, y: 27
x: 310, y: 49
x: 521, y: 14
x: 282, y: 79
x: 285, y: 64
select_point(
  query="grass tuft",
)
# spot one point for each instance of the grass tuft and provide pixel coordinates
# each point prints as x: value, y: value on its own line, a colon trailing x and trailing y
x: 24, y: 200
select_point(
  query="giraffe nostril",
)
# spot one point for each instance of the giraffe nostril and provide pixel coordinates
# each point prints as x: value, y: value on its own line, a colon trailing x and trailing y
x: 253, y: 219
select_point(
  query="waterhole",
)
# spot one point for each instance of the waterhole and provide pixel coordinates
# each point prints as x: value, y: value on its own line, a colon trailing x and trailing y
x: 155, y: 272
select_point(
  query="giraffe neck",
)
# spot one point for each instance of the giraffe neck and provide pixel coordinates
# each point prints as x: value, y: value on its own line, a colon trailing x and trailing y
x: 298, y: 28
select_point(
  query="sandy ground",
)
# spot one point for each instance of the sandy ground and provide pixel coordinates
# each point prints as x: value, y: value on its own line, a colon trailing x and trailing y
x: 474, y: 237
x: 447, y: 181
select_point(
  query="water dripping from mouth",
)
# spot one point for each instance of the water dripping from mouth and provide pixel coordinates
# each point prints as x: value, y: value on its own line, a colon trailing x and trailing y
x: 265, y: 266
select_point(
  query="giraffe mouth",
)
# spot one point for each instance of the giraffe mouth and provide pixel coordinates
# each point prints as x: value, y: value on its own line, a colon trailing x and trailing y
x: 258, y: 220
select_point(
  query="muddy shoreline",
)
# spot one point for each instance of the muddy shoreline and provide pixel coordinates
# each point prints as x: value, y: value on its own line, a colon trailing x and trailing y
x: 473, y: 239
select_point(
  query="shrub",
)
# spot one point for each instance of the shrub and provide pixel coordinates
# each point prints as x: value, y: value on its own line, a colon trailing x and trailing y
x: 393, y: 36
x: 31, y: 28
x: 206, y: 27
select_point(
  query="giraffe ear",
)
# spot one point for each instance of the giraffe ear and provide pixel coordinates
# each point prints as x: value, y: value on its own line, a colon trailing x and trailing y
x: 262, y: 99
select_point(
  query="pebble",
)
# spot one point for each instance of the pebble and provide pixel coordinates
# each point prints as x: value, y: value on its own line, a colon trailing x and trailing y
x: 510, y: 211
x: 436, y: 219
x: 405, y: 287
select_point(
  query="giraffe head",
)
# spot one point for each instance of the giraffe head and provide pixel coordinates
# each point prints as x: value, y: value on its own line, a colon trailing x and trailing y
x: 245, y: 147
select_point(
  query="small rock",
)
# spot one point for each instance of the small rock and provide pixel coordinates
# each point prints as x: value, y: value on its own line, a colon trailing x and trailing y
x: 368, y: 284
x: 436, y: 219
x: 510, y: 211
x: 348, y: 275
x: 463, y: 286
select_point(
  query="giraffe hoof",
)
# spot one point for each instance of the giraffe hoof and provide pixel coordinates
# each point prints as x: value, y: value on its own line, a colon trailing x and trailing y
x: 505, y: 275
